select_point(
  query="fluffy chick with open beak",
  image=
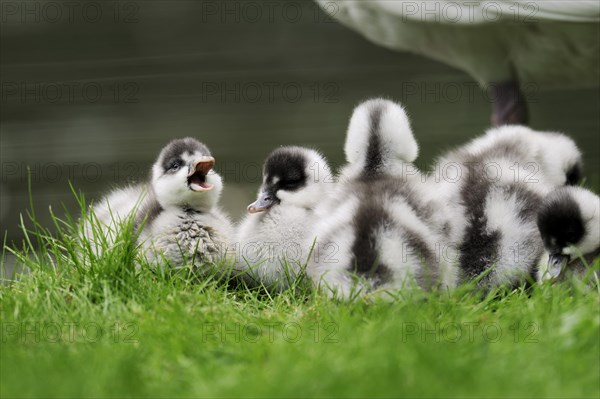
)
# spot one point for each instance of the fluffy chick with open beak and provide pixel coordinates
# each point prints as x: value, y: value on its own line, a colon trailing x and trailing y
x: 184, y: 224
x: 183, y: 177
x: 569, y: 222
x: 273, y: 241
x: 177, y: 210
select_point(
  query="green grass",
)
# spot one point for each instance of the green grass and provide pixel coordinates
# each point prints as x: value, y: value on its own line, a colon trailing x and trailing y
x: 81, y: 326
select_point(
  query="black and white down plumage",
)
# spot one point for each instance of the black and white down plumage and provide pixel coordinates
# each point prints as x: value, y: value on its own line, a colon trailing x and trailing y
x: 273, y: 242
x: 176, y: 212
x: 569, y: 223
x: 379, y: 140
x: 380, y: 230
x: 497, y: 183
x: 549, y: 158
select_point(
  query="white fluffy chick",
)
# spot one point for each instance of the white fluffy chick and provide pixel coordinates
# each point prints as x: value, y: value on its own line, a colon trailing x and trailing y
x: 273, y: 242
x: 176, y: 214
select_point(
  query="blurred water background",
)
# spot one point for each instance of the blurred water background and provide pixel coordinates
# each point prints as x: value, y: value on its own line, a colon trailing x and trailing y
x: 91, y: 92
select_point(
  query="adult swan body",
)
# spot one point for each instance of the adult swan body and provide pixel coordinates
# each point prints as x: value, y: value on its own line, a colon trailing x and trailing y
x: 505, y: 45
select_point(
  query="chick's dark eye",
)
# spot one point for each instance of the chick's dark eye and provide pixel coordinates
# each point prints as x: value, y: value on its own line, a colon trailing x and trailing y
x: 570, y: 236
x: 174, y: 166
x: 291, y: 184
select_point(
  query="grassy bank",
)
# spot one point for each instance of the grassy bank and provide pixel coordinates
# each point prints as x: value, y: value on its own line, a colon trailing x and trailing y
x: 113, y: 330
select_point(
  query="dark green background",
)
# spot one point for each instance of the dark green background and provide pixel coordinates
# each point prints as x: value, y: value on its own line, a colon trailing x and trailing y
x: 158, y: 64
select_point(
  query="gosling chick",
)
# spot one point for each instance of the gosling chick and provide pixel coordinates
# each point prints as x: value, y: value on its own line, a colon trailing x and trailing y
x: 378, y: 232
x: 176, y: 213
x: 498, y: 184
x: 569, y: 223
x: 273, y: 243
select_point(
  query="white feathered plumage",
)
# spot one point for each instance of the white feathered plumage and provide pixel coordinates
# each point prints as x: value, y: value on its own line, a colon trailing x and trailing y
x: 500, y: 43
